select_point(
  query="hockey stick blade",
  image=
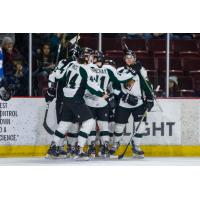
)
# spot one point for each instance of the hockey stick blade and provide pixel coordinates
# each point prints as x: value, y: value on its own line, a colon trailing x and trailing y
x: 45, y: 125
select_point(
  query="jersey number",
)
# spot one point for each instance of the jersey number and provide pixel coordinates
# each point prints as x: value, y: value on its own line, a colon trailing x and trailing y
x: 71, y: 82
x: 102, y: 80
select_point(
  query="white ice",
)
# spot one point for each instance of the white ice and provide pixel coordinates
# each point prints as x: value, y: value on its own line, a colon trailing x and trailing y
x: 148, y: 161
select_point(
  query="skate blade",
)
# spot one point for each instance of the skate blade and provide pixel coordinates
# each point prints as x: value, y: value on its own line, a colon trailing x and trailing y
x: 70, y: 156
x: 51, y: 157
x: 48, y: 156
x: 81, y: 158
x: 138, y: 156
x: 104, y: 156
x: 113, y: 157
x: 92, y: 156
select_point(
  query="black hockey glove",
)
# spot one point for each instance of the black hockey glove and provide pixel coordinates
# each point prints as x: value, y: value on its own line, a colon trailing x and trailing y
x: 130, y: 99
x: 149, y: 103
x: 50, y: 95
x: 111, y: 101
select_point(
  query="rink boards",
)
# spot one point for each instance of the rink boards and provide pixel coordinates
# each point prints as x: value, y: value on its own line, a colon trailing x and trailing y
x: 173, y: 132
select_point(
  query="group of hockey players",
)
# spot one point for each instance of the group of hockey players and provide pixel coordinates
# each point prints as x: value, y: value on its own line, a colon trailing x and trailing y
x: 95, y: 100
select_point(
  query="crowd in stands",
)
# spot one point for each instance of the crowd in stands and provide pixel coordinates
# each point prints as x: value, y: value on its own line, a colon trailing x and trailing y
x: 15, y: 62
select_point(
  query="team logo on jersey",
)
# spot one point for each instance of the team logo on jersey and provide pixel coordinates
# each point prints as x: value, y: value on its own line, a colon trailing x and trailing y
x: 129, y: 84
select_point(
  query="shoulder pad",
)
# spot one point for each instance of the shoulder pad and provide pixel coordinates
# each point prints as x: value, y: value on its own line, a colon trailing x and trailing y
x: 61, y: 64
x: 120, y: 69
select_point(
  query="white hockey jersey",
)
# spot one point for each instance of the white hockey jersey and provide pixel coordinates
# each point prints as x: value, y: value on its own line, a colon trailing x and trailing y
x: 104, y: 76
x: 135, y: 89
x: 78, y: 78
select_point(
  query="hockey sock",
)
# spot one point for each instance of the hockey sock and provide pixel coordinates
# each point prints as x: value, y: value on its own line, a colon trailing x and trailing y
x: 104, y: 136
x: 82, y: 138
x: 92, y: 137
x: 57, y: 137
x: 72, y: 138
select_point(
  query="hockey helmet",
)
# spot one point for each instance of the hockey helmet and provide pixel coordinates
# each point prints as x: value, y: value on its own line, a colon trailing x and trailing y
x: 99, y: 56
x: 85, y: 54
x: 74, y: 51
x: 130, y: 53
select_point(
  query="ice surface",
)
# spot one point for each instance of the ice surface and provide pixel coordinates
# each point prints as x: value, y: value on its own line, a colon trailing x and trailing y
x: 148, y: 161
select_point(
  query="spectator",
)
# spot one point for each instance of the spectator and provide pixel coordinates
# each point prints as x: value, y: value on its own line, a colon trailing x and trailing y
x: 43, y: 64
x: 8, y: 53
x: 45, y: 59
x: 159, y: 35
x: 37, y: 40
x: 183, y: 36
x: 173, y: 87
x: 19, y: 79
x: 145, y: 36
x: 3, y: 35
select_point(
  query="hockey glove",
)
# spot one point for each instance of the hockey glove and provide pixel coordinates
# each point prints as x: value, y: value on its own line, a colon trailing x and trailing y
x: 111, y: 101
x: 50, y: 95
x: 149, y: 103
x: 130, y: 99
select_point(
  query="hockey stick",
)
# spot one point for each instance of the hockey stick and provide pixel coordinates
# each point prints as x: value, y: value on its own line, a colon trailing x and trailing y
x: 152, y: 93
x: 138, y: 126
x: 45, y: 125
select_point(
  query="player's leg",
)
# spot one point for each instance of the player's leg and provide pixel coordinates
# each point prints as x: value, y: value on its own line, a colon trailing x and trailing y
x: 102, y: 121
x: 84, y: 116
x: 60, y: 132
x: 111, y: 126
x: 92, y: 141
x: 72, y: 139
x: 59, y: 109
x: 92, y: 136
x: 59, y: 106
x: 121, y: 118
x: 136, y: 142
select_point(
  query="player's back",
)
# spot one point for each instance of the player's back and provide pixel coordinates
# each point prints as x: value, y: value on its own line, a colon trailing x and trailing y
x: 73, y: 80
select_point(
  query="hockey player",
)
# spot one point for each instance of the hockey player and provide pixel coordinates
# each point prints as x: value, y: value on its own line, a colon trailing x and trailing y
x: 56, y: 90
x: 134, y: 98
x: 78, y: 77
x: 105, y: 74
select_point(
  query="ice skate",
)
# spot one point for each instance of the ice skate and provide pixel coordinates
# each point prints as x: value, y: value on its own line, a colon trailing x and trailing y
x: 112, y: 152
x: 81, y: 155
x: 92, y: 151
x: 104, y: 151
x: 53, y: 151
x: 137, y: 151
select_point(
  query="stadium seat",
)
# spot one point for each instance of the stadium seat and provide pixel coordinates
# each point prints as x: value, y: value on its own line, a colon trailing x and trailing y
x: 196, y: 82
x: 157, y: 80
x: 91, y: 42
x: 138, y: 45
x: 118, y: 59
x: 187, y: 93
x: 185, y: 83
x: 185, y: 47
x: 111, y: 53
x: 191, y: 64
x: 111, y: 44
x: 147, y: 62
x: 175, y: 65
x: 157, y: 47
